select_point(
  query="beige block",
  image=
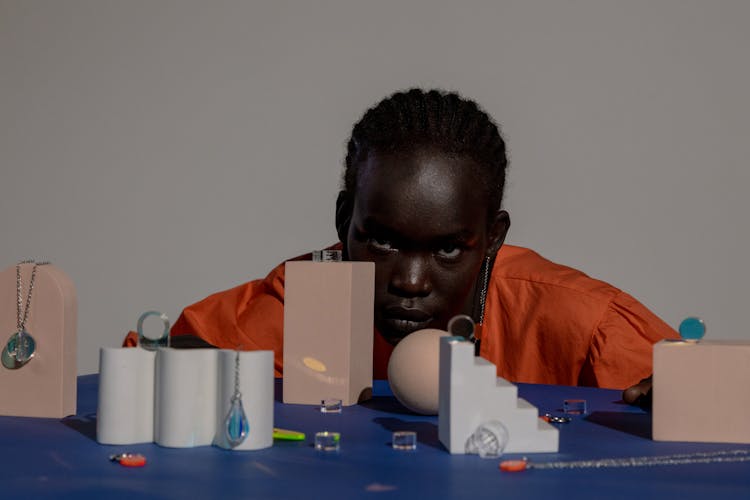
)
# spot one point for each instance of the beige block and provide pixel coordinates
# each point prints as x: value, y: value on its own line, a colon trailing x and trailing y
x: 328, y: 331
x: 46, y: 385
x: 701, y: 391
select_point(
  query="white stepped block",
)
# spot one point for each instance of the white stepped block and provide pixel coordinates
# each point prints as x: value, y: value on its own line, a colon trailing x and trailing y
x: 539, y: 441
x: 485, y: 372
x: 471, y: 394
x: 497, y: 397
x: 525, y: 417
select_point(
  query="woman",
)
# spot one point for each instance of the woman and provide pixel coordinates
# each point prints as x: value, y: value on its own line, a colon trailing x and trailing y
x: 422, y: 199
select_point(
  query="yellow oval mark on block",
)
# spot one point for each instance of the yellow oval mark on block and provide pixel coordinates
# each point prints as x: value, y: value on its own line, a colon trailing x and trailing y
x: 314, y: 364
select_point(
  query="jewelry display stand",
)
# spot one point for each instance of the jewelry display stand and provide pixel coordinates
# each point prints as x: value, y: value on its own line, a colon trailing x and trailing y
x: 328, y: 331
x: 472, y: 394
x: 45, y: 385
x: 701, y: 391
x: 179, y: 398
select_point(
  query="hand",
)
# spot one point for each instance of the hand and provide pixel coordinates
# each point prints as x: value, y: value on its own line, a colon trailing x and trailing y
x: 177, y: 341
x: 640, y: 394
x: 187, y: 342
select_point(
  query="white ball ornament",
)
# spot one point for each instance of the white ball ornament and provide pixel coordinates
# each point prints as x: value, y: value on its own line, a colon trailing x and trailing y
x: 414, y: 370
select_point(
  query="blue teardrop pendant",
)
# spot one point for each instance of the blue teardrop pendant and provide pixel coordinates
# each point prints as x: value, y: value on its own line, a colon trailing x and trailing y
x: 236, y: 424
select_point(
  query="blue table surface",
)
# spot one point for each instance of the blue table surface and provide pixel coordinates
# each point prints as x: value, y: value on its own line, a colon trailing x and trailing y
x: 61, y: 458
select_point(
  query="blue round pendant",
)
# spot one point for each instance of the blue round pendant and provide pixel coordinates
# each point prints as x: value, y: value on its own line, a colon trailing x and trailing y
x: 19, y: 350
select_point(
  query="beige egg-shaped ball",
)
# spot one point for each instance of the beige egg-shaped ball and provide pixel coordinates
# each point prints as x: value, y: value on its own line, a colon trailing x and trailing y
x: 414, y: 370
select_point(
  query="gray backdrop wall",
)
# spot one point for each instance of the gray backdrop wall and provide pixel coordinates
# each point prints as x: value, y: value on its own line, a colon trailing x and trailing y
x: 158, y: 151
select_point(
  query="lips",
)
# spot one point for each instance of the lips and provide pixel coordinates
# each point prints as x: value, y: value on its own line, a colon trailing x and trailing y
x: 404, y: 320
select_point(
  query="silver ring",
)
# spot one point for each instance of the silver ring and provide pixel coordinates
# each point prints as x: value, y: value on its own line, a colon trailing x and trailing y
x: 153, y: 344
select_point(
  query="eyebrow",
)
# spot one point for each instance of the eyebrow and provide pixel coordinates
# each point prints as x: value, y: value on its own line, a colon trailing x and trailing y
x: 370, y: 225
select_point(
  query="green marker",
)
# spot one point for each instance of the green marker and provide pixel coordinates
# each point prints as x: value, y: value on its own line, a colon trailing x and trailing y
x: 287, y: 435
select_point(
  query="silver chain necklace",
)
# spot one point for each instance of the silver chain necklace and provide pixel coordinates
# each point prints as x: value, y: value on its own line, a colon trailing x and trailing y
x: 477, y: 318
x: 236, y: 425
x: 483, y: 291
x: 21, y: 345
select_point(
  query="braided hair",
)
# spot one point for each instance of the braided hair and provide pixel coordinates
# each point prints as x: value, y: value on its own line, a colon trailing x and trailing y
x: 443, y: 121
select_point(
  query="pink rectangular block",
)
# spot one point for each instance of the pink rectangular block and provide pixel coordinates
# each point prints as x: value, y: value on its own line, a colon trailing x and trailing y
x: 701, y: 391
x: 328, y: 331
x: 46, y: 385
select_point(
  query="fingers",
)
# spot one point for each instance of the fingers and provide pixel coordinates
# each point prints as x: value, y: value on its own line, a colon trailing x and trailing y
x: 639, y: 394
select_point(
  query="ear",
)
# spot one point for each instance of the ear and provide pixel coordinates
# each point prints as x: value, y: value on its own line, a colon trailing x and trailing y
x: 499, y: 227
x: 343, y: 217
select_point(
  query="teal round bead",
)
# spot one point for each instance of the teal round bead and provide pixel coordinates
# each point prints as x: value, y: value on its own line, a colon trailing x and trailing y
x: 692, y: 329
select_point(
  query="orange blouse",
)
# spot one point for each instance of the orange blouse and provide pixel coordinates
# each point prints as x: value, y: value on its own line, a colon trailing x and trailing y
x: 544, y: 323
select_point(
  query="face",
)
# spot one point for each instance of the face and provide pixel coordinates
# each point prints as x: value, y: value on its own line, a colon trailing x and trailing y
x: 422, y: 218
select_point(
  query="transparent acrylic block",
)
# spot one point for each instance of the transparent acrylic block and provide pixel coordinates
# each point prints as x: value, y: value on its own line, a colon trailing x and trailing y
x: 330, y: 406
x: 404, y: 440
x: 327, y: 441
x: 326, y: 256
x: 574, y: 406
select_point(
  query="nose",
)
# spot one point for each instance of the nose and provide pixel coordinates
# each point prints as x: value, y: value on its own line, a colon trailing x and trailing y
x: 410, y: 275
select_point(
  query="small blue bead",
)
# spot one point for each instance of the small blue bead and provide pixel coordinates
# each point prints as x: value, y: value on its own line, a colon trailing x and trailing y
x: 692, y: 329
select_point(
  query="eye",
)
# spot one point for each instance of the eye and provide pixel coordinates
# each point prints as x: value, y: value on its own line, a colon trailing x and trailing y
x: 449, y: 252
x: 380, y: 244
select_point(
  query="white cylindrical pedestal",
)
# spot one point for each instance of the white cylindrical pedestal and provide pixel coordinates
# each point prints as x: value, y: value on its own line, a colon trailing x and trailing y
x: 185, y: 402
x: 125, y: 414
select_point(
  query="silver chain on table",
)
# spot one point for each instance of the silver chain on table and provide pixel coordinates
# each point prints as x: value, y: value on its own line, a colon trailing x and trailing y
x: 21, y: 318
x: 678, y: 459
